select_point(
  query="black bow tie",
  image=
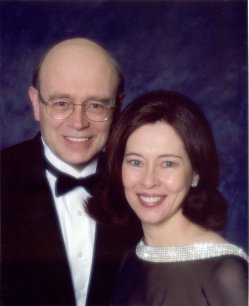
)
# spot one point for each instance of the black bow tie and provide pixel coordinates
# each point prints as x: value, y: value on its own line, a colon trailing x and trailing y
x: 66, y: 182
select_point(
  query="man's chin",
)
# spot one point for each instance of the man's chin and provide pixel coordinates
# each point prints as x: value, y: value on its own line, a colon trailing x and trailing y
x: 79, y: 163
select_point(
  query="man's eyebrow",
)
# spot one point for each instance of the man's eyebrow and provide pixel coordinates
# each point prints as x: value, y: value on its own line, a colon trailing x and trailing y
x: 60, y: 96
x: 98, y: 98
x: 89, y: 98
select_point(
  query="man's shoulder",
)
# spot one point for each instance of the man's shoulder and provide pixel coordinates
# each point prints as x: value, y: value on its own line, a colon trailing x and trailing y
x: 22, y: 149
x: 23, y: 165
x: 24, y: 157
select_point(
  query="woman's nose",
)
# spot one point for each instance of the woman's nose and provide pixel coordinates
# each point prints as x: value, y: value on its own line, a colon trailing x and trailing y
x: 150, y: 178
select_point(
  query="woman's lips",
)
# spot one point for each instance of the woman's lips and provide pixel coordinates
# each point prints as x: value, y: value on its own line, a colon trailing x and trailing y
x: 151, y: 200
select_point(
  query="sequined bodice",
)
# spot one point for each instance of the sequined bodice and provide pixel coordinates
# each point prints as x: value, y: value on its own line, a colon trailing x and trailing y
x: 201, y: 274
x: 186, y: 253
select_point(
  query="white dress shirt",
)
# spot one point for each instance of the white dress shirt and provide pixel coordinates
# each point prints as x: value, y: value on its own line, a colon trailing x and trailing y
x: 78, y: 229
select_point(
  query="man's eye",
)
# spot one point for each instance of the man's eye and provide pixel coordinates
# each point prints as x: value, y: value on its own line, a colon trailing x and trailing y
x: 95, y: 105
x: 61, y: 104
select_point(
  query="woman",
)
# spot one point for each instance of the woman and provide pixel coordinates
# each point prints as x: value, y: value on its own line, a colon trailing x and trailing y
x: 161, y: 163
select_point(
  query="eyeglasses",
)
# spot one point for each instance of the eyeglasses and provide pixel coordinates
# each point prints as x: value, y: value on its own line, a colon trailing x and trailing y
x: 61, y: 108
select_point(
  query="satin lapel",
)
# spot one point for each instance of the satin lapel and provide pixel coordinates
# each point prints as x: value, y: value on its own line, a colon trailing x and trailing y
x: 106, y: 261
x: 33, y: 242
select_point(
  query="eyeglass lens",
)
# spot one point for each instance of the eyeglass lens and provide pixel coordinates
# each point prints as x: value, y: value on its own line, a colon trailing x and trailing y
x: 94, y: 110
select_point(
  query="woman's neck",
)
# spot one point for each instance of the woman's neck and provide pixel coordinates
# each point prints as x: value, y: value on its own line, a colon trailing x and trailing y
x: 178, y: 231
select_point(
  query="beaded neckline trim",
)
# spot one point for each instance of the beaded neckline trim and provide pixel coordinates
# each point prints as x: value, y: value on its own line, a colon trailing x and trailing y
x: 186, y: 253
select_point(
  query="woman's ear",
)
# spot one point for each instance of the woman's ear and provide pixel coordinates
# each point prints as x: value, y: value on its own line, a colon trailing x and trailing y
x: 195, y: 181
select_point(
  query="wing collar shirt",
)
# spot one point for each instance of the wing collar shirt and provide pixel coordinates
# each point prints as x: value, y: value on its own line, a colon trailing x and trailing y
x: 78, y: 229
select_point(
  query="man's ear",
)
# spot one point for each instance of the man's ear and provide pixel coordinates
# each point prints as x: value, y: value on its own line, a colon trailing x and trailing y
x: 121, y: 96
x: 34, y: 97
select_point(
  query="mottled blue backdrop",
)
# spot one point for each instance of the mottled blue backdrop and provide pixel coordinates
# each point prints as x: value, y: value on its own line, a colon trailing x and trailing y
x: 198, y: 48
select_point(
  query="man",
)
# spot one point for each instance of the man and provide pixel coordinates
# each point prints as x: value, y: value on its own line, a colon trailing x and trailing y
x: 53, y: 253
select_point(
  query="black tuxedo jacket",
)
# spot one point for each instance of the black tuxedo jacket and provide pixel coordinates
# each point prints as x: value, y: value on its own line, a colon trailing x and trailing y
x: 34, y: 266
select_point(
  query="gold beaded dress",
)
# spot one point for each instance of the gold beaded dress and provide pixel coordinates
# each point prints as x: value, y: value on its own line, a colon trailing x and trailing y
x: 202, y: 274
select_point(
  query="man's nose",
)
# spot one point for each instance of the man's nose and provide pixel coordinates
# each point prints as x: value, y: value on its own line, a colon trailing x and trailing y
x: 78, y: 118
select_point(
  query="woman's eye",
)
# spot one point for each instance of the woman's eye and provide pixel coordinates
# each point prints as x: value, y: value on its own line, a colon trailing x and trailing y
x: 135, y: 163
x: 169, y: 164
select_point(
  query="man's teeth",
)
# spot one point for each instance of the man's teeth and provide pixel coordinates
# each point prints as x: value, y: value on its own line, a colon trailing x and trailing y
x: 77, y: 139
x: 150, y: 199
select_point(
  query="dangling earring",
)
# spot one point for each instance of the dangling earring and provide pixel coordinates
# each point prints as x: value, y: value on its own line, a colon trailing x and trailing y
x: 195, y: 183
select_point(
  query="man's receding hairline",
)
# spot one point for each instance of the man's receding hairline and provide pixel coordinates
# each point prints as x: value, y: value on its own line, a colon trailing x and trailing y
x: 81, y: 42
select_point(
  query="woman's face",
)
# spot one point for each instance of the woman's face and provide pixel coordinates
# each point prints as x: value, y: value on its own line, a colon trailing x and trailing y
x: 156, y: 173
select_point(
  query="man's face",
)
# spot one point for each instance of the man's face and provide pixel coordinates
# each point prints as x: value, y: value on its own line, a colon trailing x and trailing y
x: 78, y: 76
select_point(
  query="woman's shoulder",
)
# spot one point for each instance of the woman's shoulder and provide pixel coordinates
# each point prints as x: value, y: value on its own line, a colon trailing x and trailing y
x: 202, y: 235
x: 221, y: 246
